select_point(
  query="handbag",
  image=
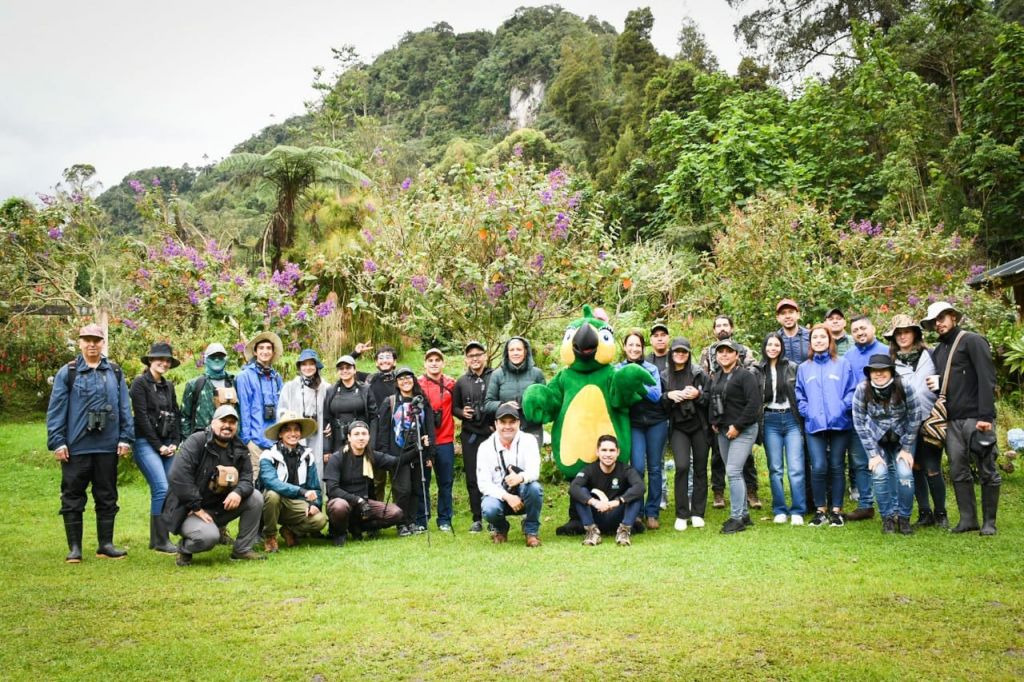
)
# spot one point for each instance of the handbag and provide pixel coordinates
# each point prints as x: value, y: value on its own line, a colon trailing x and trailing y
x: 933, y: 428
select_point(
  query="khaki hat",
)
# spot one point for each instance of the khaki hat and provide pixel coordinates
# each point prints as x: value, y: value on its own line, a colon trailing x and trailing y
x: 901, y: 321
x: 433, y: 351
x: 92, y: 330
x: 250, y: 348
x: 308, y: 426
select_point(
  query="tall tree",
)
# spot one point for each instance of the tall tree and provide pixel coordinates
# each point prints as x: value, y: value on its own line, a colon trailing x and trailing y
x: 288, y: 171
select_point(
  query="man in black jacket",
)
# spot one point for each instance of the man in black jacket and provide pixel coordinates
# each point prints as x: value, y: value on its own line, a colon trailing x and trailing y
x: 971, y: 414
x: 608, y: 495
x: 210, y: 486
x: 348, y: 476
x: 468, y: 401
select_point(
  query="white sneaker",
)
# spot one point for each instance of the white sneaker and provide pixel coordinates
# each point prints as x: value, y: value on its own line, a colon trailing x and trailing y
x: 796, y: 520
x: 780, y: 518
x: 680, y: 524
x: 697, y: 522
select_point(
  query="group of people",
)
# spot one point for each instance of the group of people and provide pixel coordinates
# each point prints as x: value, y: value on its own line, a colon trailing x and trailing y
x: 291, y: 459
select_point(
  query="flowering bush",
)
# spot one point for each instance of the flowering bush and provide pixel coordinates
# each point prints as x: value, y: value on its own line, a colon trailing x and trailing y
x: 777, y: 248
x: 490, y: 256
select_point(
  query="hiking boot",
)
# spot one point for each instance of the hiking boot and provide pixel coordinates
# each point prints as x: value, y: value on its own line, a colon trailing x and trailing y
x: 499, y: 538
x: 247, y: 555
x: 623, y: 536
x: 719, y: 502
x: 904, y: 525
x: 861, y: 514
x: 733, y: 526
x: 835, y: 519
x: 592, y: 536
x: 753, y: 501
x: 477, y: 527
x: 270, y: 544
x: 290, y: 539
x: 925, y: 518
x: 652, y: 523
x: 889, y: 525
x: 73, y: 531
x: 820, y: 519
x: 184, y: 558
x: 225, y: 537
x: 532, y: 541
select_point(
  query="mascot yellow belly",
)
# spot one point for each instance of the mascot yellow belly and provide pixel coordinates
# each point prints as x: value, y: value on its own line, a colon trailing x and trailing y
x: 588, y: 412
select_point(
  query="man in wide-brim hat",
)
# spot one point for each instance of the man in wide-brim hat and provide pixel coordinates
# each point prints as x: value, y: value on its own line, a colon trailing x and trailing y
x: 290, y: 483
x: 259, y: 389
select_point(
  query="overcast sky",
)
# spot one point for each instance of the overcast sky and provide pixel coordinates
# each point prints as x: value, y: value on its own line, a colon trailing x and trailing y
x: 128, y: 85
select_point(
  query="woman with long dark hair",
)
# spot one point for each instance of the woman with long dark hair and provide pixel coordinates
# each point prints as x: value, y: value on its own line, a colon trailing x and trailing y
x: 913, y: 366
x: 686, y: 404
x: 783, y: 431
x: 648, y: 423
x: 887, y: 419
x: 400, y: 419
x: 304, y: 395
x: 157, y: 434
x: 824, y: 394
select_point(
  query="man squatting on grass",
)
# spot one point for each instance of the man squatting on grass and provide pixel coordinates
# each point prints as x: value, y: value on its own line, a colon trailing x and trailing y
x: 607, y: 494
x: 507, y: 469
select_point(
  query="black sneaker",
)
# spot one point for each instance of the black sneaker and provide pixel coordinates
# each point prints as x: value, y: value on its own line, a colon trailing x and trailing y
x: 925, y: 518
x: 340, y: 539
x: 477, y: 527
x: 889, y: 525
x: 417, y: 529
x: 820, y: 519
x: 941, y: 520
x: 184, y: 559
x: 835, y: 519
x: 405, y: 531
x: 904, y: 525
x: 747, y: 521
x: 733, y: 526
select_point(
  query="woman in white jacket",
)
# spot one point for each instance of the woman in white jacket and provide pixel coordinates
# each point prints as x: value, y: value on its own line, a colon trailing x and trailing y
x: 304, y: 395
x: 914, y: 365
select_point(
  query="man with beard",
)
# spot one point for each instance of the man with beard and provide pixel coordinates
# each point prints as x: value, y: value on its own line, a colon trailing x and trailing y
x: 469, y: 401
x: 723, y: 330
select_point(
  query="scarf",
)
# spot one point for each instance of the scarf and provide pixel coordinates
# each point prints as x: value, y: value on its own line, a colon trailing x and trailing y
x: 909, y: 358
x: 215, y: 367
x: 402, y: 422
x: 884, y: 392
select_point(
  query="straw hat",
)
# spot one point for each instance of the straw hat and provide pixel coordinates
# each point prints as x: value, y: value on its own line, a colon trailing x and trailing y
x: 250, y: 348
x: 307, y: 425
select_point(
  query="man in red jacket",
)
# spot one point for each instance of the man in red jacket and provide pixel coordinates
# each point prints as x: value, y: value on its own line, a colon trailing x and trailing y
x: 438, y: 389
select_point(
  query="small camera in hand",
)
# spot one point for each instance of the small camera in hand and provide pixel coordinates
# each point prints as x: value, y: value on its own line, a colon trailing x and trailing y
x: 512, y: 490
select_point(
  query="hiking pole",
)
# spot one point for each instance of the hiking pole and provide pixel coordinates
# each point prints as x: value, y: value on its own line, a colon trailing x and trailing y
x: 417, y: 402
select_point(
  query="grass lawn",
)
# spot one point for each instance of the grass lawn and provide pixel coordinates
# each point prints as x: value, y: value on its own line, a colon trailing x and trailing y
x: 771, y: 603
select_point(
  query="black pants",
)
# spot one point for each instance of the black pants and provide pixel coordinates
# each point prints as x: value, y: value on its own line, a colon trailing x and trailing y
x: 718, y: 469
x: 75, y: 476
x: 406, y: 484
x: 470, y: 445
x: 687, y: 448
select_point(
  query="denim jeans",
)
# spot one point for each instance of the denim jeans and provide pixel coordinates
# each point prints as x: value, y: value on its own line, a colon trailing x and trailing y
x: 444, y: 467
x: 608, y: 521
x: 495, y: 510
x: 784, y: 445
x: 648, y: 452
x: 736, y: 452
x: 893, y: 485
x: 828, y: 453
x: 156, y: 469
x: 859, y: 464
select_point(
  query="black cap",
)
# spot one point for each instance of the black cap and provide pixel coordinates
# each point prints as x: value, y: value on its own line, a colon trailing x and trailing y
x: 506, y: 410
x: 835, y: 311
x: 474, y: 344
x: 680, y: 342
x: 402, y: 371
x: 727, y: 343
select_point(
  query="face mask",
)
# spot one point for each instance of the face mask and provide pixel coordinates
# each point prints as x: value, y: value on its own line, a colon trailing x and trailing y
x: 215, y: 365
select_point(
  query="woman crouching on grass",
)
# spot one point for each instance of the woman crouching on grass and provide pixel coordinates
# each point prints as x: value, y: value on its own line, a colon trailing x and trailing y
x: 886, y: 417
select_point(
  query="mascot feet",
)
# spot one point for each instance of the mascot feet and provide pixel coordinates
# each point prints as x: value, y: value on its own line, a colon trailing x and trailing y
x: 573, y: 527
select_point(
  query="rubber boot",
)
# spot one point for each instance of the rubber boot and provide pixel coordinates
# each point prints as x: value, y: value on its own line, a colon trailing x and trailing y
x: 989, y: 507
x: 73, y: 530
x: 105, y: 540
x: 158, y: 536
x: 964, y: 491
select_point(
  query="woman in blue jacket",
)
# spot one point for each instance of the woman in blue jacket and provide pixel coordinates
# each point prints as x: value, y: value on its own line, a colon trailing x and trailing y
x: 648, y: 421
x: 824, y: 394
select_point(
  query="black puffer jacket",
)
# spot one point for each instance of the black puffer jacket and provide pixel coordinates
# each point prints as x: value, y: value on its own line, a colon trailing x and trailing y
x: 149, y: 399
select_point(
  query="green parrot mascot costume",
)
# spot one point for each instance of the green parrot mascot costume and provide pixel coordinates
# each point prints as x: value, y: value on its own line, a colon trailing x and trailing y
x: 586, y: 399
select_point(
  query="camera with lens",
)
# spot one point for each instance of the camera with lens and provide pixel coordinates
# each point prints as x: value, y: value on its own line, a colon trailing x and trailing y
x: 96, y: 420
x: 269, y: 413
x: 164, y: 424
x: 511, y: 490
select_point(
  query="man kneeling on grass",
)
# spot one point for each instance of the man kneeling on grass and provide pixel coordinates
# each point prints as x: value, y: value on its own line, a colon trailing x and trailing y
x: 349, y: 475
x: 507, y: 469
x: 209, y: 486
x: 292, y: 496
x: 607, y: 494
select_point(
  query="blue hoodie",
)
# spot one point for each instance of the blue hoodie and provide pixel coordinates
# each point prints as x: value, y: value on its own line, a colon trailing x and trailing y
x: 858, y: 356
x: 824, y: 393
x: 256, y: 388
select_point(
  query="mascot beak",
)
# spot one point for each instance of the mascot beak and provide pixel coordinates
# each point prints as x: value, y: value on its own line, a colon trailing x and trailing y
x: 584, y: 342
